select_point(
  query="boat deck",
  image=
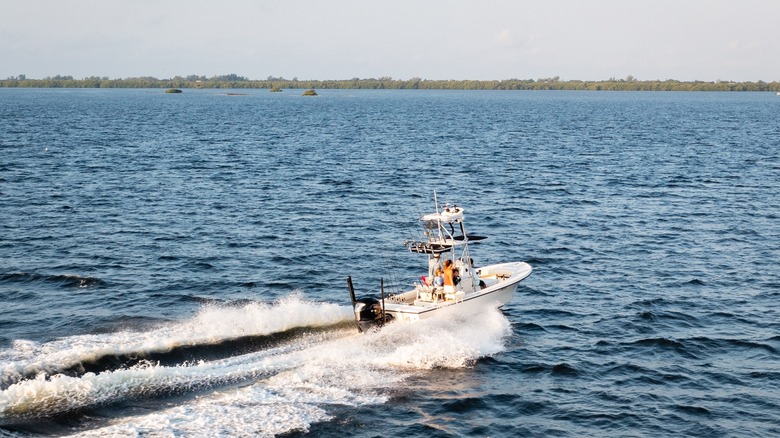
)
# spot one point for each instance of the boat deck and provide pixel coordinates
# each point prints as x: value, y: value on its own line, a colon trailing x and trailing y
x: 423, y: 299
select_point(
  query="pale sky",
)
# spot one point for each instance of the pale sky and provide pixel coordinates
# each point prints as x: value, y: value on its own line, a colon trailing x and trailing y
x: 687, y: 40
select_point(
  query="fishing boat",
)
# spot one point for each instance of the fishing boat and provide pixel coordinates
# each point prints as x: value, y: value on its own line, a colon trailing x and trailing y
x: 475, y: 289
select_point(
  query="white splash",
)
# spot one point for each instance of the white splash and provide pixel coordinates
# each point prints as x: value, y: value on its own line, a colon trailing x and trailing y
x: 286, y: 388
x: 211, y: 325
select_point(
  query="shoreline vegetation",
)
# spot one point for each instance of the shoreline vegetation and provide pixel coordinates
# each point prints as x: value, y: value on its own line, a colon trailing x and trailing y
x: 233, y: 81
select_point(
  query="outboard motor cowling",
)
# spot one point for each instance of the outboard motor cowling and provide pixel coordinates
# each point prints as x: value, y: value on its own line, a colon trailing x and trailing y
x: 369, y: 313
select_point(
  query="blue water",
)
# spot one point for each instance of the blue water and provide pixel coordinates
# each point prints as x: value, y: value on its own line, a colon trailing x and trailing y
x: 176, y: 264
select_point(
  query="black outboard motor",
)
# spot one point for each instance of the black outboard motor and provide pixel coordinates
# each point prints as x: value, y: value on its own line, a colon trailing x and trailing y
x: 368, y: 313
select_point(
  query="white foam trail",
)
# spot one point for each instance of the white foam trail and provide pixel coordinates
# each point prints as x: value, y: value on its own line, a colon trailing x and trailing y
x: 289, y: 387
x: 250, y: 411
x: 62, y: 393
x: 211, y: 325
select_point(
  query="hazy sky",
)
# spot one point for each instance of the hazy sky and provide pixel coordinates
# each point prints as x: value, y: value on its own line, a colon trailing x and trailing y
x: 340, y: 39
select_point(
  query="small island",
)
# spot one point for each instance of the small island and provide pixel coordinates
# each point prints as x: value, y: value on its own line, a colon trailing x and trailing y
x: 309, y: 92
x: 276, y: 89
x: 173, y: 90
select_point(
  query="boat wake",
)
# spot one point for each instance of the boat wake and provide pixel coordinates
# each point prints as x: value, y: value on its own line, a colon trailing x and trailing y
x: 212, y: 332
x: 266, y: 368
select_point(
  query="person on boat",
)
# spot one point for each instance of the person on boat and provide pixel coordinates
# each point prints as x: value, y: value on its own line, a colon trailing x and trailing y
x: 438, y: 284
x: 449, y: 277
x: 477, y: 281
x: 438, y: 280
x: 434, y: 263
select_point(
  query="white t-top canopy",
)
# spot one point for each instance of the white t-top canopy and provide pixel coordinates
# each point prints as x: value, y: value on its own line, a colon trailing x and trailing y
x: 450, y: 215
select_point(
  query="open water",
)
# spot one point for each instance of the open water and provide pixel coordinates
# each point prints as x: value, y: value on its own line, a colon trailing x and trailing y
x: 175, y: 265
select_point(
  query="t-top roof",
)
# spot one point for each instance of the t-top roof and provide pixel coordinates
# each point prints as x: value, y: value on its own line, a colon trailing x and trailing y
x: 447, y: 215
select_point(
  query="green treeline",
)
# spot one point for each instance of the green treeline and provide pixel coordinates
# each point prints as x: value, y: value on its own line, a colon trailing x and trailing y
x: 234, y: 81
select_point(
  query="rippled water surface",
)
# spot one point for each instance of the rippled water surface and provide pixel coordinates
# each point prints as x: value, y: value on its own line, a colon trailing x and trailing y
x: 176, y: 264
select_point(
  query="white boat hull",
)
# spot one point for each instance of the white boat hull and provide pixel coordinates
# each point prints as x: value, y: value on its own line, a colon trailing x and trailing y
x: 501, y: 283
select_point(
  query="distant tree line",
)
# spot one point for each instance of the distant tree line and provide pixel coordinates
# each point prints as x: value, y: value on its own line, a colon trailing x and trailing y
x: 235, y: 81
